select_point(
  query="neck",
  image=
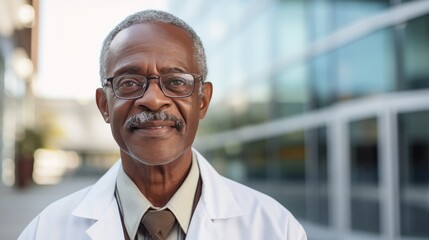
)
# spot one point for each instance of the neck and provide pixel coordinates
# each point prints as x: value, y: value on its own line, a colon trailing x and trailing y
x: 158, y: 183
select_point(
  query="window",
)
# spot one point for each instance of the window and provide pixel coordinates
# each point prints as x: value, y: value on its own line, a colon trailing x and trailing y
x: 416, y: 54
x: 365, y: 203
x: 413, y: 146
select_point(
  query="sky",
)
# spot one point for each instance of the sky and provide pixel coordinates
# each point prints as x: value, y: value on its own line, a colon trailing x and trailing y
x: 70, y: 39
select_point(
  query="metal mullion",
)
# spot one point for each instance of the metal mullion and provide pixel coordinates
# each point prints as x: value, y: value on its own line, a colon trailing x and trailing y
x: 388, y: 171
x: 339, y: 176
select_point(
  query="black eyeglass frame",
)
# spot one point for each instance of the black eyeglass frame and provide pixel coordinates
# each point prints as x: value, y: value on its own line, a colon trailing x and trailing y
x: 196, y: 77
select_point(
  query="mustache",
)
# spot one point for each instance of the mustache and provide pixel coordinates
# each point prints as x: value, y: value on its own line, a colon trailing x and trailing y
x: 142, y: 118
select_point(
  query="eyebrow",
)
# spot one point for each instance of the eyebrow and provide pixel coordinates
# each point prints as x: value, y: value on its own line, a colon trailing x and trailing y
x: 137, y: 70
x: 172, y: 69
x: 127, y: 70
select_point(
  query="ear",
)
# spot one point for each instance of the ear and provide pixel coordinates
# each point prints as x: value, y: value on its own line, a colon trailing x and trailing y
x: 101, y: 99
x: 206, y: 96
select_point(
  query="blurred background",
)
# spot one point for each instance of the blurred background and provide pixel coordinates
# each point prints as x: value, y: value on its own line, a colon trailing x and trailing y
x: 322, y: 104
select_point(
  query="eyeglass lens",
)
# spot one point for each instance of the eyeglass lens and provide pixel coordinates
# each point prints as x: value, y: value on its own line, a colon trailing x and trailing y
x: 172, y: 85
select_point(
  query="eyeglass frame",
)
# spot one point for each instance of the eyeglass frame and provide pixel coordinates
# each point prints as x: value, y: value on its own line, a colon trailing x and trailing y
x: 196, y: 77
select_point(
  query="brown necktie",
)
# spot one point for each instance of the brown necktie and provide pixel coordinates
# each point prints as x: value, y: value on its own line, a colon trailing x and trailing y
x: 158, y: 224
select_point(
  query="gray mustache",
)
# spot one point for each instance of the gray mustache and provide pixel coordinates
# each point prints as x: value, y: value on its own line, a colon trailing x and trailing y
x: 142, y: 118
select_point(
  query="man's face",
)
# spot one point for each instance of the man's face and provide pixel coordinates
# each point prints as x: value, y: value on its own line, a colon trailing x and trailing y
x: 152, y: 49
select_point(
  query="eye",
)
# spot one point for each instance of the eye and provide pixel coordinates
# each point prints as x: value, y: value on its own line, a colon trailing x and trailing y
x: 176, y: 82
x: 128, y: 82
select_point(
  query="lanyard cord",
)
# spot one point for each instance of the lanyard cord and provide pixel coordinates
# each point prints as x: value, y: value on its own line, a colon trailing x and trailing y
x: 121, y: 213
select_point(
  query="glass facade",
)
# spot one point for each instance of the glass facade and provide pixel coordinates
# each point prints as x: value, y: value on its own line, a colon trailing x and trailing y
x: 415, y: 36
x: 322, y: 104
x: 365, y: 179
x: 414, y: 167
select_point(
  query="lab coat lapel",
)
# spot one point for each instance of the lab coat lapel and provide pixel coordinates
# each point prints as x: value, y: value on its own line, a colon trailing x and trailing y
x: 109, y: 226
x: 202, y: 226
x: 216, y: 203
x: 100, y: 206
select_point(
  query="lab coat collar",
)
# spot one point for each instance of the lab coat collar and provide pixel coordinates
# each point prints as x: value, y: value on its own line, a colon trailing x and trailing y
x: 100, y: 197
x: 100, y: 205
x: 216, y: 196
x: 217, y: 202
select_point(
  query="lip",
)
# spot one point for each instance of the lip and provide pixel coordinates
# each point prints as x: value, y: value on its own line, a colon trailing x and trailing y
x: 155, y: 129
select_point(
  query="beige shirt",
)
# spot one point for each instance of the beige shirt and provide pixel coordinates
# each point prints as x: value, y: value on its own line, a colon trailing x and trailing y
x: 134, y: 204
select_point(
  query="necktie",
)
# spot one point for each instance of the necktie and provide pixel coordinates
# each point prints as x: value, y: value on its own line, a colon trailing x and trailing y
x: 158, y: 224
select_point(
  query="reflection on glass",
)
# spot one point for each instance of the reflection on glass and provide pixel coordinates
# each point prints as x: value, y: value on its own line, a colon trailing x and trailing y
x: 349, y: 72
x: 365, y: 203
x: 317, y: 196
x: 323, y: 84
x: 359, y: 74
x: 255, y: 157
x: 416, y: 54
x: 414, y: 173
x: 351, y: 11
x: 290, y: 92
x: 287, y: 169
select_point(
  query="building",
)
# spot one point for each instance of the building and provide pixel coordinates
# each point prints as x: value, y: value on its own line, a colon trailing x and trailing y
x: 17, y: 67
x: 323, y: 104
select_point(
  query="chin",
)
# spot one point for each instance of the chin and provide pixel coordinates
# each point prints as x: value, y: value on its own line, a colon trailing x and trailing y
x: 158, y: 158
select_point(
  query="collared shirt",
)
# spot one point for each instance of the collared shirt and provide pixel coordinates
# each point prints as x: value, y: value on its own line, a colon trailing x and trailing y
x: 134, y: 204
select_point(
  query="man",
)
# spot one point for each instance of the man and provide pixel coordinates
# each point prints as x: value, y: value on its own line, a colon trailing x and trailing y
x: 154, y: 93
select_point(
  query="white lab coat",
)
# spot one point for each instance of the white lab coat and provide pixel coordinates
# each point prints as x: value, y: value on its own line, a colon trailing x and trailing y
x: 226, y: 210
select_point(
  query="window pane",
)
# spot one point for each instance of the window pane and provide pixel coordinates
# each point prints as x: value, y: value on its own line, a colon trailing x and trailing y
x: 287, y: 171
x: 255, y: 157
x: 317, y: 195
x: 416, y: 53
x: 359, y: 74
x: 290, y: 92
x: 414, y: 173
x: 351, y: 11
x: 365, y: 203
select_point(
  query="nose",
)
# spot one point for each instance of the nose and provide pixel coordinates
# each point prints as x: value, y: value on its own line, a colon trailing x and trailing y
x: 153, y: 99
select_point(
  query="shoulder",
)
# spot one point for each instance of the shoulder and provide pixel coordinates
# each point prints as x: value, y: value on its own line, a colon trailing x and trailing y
x: 240, y: 208
x: 75, y: 212
x: 54, y: 216
x: 251, y: 200
x: 268, y: 214
x: 66, y: 205
x: 271, y: 217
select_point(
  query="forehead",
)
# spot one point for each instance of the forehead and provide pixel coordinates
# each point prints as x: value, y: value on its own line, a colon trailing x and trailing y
x: 152, y: 41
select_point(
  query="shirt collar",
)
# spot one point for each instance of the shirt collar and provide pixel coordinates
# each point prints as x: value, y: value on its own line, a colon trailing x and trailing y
x: 181, y: 204
x: 134, y: 204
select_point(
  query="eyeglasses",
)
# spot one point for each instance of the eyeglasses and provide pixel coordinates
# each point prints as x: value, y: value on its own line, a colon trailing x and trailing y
x: 133, y: 86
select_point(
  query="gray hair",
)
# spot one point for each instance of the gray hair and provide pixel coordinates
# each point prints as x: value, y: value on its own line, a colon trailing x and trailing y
x: 154, y: 16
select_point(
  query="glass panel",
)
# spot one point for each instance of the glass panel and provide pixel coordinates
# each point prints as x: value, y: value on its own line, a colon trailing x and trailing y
x: 290, y: 92
x: 287, y: 171
x: 349, y: 72
x: 359, y: 74
x: 257, y: 43
x: 365, y: 203
x: 413, y: 148
x: 288, y: 25
x: 323, y: 81
x: 317, y: 195
x: 321, y: 18
x: 255, y: 156
x: 416, y: 53
x: 351, y: 11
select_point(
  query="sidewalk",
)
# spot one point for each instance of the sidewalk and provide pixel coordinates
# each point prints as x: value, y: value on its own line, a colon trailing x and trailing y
x: 19, y: 207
